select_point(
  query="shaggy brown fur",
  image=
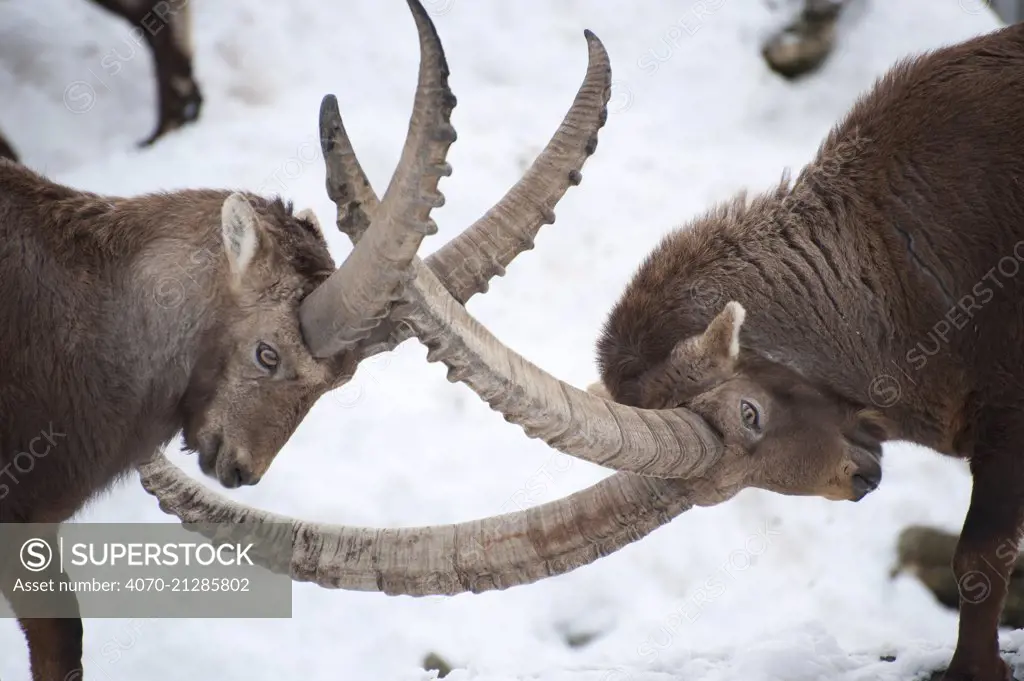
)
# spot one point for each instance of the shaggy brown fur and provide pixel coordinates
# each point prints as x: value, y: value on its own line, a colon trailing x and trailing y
x: 890, y: 275
x: 122, y: 324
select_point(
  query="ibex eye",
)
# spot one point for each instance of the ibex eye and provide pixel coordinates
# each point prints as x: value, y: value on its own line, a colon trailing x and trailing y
x: 266, y: 356
x: 751, y: 417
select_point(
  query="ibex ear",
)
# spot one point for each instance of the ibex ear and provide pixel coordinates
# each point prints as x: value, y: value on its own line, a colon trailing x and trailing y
x: 240, y: 230
x: 720, y: 342
x: 309, y: 216
x: 694, y: 361
x: 875, y: 424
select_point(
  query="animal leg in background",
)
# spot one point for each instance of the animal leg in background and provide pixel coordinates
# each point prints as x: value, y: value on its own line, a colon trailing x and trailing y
x: 803, y: 45
x: 166, y: 26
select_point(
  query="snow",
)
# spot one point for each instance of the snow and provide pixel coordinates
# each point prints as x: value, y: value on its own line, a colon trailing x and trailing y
x: 763, y: 587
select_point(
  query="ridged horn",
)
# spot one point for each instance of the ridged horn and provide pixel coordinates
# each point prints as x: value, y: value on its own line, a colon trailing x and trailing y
x: 345, y: 308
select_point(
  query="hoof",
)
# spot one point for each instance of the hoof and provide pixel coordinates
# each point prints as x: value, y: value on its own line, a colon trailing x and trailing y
x: 178, y: 112
x: 802, y: 47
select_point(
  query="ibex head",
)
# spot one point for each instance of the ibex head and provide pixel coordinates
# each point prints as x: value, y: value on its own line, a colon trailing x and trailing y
x: 255, y: 378
x: 781, y: 432
x: 301, y: 326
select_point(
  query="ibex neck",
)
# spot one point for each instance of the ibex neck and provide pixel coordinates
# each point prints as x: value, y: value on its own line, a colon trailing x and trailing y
x: 176, y: 292
x: 163, y: 288
x: 846, y: 308
x: 105, y: 309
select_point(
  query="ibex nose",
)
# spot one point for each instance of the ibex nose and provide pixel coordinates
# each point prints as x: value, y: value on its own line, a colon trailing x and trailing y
x: 240, y: 471
x: 866, y: 478
x: 243, y: 475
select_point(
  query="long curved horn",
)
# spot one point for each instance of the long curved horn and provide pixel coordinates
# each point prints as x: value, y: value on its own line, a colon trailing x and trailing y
x: 668, y: 443
x: 345, y: 308
x: 498, y: 552
x: 675, y: 443
x: 509, y: 228
x: 347, y: 184
x: 467, y: 263
x: 481, y: 555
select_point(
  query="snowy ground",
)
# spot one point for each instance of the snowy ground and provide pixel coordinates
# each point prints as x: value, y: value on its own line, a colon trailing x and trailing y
x: 799, y: 587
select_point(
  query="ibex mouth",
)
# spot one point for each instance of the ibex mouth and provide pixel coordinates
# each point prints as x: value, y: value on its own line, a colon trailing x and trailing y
x: 862, y: 486
x: 209, y: 452
x: 231, y: 467
x: 867, y: 477
x: 236, y: 468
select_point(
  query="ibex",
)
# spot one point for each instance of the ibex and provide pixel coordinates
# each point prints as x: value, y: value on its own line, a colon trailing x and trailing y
x: 774, y: 343
x: 166, y: 27
x: 886, y: 277
x: 219, y: 314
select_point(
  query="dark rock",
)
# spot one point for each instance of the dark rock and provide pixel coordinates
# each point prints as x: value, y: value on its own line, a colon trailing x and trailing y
x: 927, y: 554
x: 434, y: 662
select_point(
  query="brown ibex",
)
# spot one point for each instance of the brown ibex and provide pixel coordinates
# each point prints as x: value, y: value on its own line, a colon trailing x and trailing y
x: 773, y: 343
x: 166, y: 26
x: 886, y: 277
